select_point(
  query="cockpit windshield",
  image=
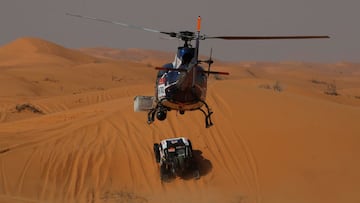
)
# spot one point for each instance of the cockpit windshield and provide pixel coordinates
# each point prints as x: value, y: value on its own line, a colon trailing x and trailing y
x: 172, y: 76
x: 185, y: 54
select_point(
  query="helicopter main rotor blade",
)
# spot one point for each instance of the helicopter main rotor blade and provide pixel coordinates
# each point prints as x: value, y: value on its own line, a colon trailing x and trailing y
x: 216, y: 72
x: 266, y: 37
x: 119, y: 23
x: 171, y: 69
x: 185, y: 70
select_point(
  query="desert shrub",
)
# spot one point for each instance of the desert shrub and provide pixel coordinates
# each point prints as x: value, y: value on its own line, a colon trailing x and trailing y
x: 47, y: 79
x: 331, y: 89
x: 251, y: 73
x: 122, y: 196
x: 115, y: 78
x: 265, y: 86
x: 218, y: 77
x: 277, y: 87
x: 27, y: 106
x: 318, y: 82
x: 97, y: 61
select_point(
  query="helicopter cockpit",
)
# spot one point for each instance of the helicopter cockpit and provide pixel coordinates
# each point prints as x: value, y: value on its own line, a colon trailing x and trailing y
x: 184, y: 56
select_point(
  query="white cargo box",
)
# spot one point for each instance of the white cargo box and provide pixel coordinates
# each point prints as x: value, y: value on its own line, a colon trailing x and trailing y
x: 143, y: 103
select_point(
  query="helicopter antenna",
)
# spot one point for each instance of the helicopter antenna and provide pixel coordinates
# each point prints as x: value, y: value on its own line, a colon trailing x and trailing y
x: 197, y: 44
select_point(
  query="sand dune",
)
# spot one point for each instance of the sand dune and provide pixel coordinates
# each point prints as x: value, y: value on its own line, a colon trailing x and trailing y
x: 298, y: 144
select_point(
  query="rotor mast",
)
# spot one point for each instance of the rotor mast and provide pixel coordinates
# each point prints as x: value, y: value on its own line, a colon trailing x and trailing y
x: 198, y: 28
x: 195, y: 61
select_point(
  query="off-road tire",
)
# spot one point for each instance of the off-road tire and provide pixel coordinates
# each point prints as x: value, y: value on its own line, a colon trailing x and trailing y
x: 157, y: 152
x: 164, y: 174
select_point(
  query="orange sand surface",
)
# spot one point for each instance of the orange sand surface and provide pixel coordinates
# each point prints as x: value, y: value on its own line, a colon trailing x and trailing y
x: 284, y: 132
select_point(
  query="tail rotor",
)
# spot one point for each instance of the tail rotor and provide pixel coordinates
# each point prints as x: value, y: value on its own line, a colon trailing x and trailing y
x: 209, y: 62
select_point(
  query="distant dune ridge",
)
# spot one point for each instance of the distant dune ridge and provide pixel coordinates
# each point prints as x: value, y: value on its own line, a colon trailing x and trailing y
x: 284, y: 132
x: 34, y: 48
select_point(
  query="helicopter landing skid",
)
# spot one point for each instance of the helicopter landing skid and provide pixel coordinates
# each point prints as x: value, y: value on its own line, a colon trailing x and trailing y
x: 151, y: 116
x: 208, y: 122
x: 152, y: 112
x: 207, y: 113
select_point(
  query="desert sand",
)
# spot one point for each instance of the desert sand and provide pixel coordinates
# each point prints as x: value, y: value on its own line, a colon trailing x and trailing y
x: 284, y: 132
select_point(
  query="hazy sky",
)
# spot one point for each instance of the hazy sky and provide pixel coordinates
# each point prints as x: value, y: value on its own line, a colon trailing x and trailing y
x: 340, y: 19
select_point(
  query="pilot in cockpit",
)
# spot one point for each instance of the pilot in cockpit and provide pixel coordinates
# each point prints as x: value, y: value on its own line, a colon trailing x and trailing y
x: 185, y: 54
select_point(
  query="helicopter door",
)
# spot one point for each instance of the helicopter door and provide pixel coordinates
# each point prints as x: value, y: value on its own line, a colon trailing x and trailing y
x: 172, y: 77
x: 161, y: 86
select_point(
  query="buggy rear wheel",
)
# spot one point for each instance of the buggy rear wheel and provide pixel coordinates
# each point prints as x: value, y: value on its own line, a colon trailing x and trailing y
x: 157, y: 152
x: 164, y: 173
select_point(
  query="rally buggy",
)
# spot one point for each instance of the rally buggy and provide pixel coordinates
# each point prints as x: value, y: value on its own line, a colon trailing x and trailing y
x: 175, y: 158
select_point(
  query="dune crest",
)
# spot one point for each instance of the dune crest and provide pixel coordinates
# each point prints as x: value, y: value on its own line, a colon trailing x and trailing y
x: 29, y: 47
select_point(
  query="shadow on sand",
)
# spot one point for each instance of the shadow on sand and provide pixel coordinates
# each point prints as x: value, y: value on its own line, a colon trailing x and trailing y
x: 202, y: 165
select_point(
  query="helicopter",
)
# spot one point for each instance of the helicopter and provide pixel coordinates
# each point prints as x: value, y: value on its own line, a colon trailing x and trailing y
x: 182, y: 84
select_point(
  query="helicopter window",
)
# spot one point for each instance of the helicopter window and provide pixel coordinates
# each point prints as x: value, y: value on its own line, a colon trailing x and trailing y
x: 162, y: 72
x: 168, y: 65
x: 186, y: 59
x: 172, y: 76
x: 185, y: 54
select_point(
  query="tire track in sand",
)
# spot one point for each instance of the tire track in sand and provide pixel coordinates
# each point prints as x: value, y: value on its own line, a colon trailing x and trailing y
x: 79, y: 168
x: 11, y: 198
x: 2, y: 115
x: 136, y: 154
x: 24, y: 171
x: 250, y: 172
x: 4, y: 183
